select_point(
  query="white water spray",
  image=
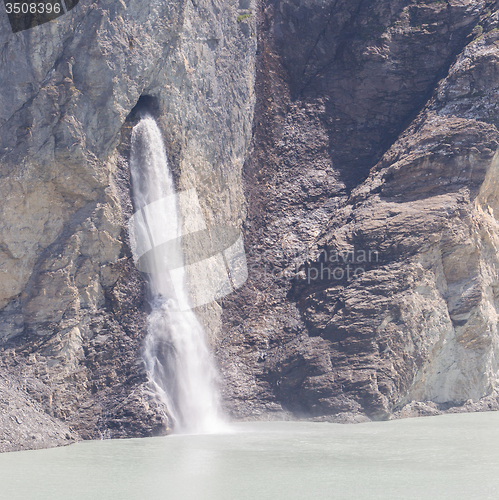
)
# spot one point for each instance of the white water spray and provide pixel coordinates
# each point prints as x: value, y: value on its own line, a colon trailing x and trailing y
x: 178, y: 361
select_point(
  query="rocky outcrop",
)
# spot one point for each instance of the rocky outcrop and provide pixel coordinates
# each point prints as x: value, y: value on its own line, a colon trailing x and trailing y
x: 73, y: 310
x: 371, y: 227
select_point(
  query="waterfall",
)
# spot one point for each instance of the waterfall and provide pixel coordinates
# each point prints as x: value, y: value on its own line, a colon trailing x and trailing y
x: 177, y: 358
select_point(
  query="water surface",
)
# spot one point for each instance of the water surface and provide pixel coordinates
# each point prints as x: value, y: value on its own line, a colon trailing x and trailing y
x: 445, y: 457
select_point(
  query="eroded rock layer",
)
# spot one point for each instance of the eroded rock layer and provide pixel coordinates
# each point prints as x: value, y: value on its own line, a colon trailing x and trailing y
x: 371, y: 228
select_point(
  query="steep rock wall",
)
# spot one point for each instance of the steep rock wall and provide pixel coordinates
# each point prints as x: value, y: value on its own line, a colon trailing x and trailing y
x: 72, y: 305
x: 371, y: 229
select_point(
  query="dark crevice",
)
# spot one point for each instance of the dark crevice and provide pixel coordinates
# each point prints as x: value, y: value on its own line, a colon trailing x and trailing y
x: 345, y: 36
x: 424, y: 100
x: 310, y: 55
x: 146, y: 104
x: 404, y: 123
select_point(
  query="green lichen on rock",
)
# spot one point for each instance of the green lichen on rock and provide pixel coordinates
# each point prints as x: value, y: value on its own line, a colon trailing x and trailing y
x: 242, y: 17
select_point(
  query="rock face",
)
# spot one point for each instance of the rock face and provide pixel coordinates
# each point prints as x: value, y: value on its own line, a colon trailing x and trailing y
x: 365, y: 184
x: 25, y: 424
x: 371, y: 228
x: 73, y: 311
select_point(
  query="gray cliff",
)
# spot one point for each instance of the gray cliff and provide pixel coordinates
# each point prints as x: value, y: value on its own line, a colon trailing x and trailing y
x: 73, y: 311
x: 353, y: 142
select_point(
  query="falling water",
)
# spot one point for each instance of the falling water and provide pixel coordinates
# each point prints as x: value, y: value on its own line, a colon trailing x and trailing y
x: 177, y: 358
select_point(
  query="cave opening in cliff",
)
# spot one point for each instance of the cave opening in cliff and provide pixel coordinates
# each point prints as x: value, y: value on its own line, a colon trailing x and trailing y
x: 146, y: 105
